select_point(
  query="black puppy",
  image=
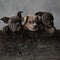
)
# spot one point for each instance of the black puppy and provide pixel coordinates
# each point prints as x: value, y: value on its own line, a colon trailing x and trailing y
x: 46, y: 21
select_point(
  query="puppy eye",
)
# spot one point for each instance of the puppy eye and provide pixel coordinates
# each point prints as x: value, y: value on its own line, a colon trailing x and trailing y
x: 33, y: 21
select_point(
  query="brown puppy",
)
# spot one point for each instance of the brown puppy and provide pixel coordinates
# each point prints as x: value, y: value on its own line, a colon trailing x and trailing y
x: 14, y: 22
x: 30, y: 22
x: 46, y: 21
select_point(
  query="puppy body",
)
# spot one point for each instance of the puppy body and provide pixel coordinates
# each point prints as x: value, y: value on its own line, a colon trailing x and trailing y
x: 30, y: 22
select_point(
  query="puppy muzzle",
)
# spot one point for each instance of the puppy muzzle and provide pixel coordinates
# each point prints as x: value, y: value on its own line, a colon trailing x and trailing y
x: 35, y: 26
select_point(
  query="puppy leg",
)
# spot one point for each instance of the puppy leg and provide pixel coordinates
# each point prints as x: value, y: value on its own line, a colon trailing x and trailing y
x: 51, y: 30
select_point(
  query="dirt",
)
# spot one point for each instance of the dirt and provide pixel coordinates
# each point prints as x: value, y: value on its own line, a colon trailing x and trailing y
x: 26, y: 45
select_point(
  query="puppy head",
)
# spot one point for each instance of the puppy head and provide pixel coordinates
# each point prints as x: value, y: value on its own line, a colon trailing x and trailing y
x: 15, y: 27
x: 30, y: 22
x: 39, y: 13
x: 47, y: 19
x: 13, y: 23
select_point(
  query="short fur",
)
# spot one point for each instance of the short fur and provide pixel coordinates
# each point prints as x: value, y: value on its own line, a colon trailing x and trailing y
x: 30, y: 22
x: 14, y: 22
x: 46, y: 21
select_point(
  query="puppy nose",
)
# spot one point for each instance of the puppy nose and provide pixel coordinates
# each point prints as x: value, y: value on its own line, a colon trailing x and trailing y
x: 35, y: 26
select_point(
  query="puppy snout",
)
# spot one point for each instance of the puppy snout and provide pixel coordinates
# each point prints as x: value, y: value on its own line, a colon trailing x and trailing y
x: 35, y: 26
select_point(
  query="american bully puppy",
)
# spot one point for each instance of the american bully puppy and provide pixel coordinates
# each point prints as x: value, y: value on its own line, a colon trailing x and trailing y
x: 46, y: 21
x: 30, y: 22
x: 14, y: 22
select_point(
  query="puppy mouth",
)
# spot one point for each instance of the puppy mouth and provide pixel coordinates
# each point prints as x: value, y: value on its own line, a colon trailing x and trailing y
x: 33, y: 28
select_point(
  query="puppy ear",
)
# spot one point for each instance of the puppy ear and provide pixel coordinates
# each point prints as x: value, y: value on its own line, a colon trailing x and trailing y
x: 52, y: 17
x: 38, y: 19
x: 19, y: 14
x: 5, y: 19
x: 39, y: 13
x: 25, y: 19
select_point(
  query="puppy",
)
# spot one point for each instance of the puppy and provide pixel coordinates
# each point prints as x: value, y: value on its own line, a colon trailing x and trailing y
x: 46, y: 21
x: 30, y: 22
x: 47, y: 18
x: 14, y: 22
